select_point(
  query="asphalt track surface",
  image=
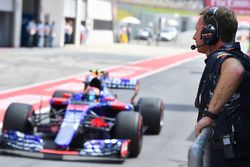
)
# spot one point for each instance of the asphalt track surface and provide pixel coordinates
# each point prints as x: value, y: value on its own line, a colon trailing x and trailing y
x: 176, y: 86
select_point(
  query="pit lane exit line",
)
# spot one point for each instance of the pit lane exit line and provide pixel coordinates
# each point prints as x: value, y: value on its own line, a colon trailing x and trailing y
x: 39, y: 94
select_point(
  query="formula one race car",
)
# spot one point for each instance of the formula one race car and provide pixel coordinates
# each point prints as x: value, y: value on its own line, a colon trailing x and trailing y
x: 91, y: 123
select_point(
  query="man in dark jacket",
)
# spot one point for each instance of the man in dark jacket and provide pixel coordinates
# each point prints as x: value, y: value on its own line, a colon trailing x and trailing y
x: 221, y: 92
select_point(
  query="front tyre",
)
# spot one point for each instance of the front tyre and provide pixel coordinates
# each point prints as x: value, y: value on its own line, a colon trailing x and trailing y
x: 18, y: 117
x: 129, y: 126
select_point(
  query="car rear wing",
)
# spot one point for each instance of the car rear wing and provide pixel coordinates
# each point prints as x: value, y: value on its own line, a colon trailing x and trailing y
x: 122, y: 83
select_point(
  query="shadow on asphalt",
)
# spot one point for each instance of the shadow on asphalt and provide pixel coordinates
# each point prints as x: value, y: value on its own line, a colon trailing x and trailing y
x: 180, y: 107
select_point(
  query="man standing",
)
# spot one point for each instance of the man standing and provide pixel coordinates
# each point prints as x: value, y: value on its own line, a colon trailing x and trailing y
x: 68, y: 32
x: 47, y: 30
x: 83, y: 34
x: 52, y: 34
x: 222, y: 91
x: 40, y: 34
x: 31, y: 30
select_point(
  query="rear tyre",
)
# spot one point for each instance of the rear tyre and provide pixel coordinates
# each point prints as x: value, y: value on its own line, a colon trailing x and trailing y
x: 129, y: 126
x: 18, y: 117
x: 152, y: 110
x: 58, y: 93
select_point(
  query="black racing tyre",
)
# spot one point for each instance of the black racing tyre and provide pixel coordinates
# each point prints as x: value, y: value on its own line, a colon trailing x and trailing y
x: 58, y: 93
x: 152, y: 110
x: 18, y: 117
x: 129, y: 126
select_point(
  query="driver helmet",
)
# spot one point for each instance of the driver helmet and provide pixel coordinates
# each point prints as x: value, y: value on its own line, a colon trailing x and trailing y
x: 95, y: 82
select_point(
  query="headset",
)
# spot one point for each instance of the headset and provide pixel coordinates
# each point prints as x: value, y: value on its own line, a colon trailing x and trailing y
x: 210, y: 34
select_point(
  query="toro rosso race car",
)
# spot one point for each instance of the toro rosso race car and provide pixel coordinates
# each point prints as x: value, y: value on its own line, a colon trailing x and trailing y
x: 82, y: 125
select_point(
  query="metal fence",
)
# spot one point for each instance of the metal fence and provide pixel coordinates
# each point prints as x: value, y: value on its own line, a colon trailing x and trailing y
x: 198, y: 153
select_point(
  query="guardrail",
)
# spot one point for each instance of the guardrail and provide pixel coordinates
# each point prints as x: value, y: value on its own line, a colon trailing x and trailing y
x: 198, y: 153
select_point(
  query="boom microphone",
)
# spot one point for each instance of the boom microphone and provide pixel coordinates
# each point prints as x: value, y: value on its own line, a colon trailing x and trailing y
x: 193, y: 47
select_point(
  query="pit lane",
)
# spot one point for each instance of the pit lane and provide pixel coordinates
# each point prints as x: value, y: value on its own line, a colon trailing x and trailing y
x: 170, y: 147
x: 176, y: 86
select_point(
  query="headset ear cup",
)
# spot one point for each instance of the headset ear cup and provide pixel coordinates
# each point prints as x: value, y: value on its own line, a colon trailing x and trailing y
x: 209, y: 34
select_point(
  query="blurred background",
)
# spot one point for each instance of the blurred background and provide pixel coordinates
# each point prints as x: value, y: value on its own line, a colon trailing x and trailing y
x: 49, y: 23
